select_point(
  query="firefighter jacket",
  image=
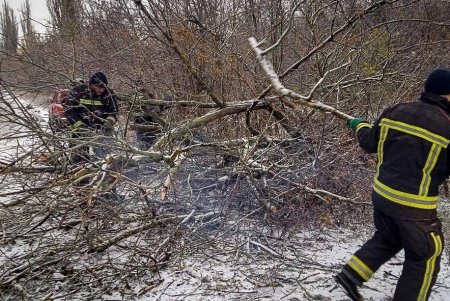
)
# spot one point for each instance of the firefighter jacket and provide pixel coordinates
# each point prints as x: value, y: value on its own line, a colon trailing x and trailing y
x: 412, y: 145
x: 84, y: 107
x: 147, y: 115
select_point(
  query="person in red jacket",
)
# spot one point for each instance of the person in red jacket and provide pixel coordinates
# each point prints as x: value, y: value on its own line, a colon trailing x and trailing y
x: 411, y: 141
x: 91, y: 108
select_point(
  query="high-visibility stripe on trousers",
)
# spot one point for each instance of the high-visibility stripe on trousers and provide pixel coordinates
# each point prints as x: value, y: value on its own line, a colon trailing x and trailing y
x: 423, y: 244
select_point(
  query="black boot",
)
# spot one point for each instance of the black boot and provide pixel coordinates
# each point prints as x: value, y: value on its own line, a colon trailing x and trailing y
x: 351, y: 289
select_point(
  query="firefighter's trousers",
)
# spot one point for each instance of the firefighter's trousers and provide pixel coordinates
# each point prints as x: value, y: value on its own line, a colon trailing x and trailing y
x: 423, y: 243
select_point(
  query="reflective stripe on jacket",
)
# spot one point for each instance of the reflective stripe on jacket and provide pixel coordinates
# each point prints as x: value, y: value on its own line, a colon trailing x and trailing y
x: 91, y: 109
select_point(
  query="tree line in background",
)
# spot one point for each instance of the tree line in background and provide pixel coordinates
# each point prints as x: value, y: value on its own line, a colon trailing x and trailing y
x: 197, y: 50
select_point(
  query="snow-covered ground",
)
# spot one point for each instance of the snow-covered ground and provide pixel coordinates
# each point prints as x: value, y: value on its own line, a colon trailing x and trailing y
x: 301, y: 268
x: 16, y: 138
x: 305, y: 273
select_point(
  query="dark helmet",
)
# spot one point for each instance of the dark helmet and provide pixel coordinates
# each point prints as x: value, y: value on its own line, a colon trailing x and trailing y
x: 98, y: 79
x: 438, y: 82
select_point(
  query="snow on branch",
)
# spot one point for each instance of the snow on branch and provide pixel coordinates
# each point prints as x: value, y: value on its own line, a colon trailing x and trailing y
x: 281, y: 90
x: 133, y: 231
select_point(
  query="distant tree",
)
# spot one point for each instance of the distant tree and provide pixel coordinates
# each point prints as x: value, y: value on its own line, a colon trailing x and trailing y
x: 29, y: 34
x: 9, y: 30
x: 65, y: 15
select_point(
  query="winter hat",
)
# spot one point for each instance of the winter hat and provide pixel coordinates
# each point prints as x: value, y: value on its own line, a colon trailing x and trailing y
x: 438, y: 82
x: 98, y: 79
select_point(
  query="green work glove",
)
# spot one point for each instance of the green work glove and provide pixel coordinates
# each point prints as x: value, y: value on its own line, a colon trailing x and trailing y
x: 109, y: 124
x: 79, y: 125
x: 353, y: 123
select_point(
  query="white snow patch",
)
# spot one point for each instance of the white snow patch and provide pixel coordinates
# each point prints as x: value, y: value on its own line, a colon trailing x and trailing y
x: 306, y: 273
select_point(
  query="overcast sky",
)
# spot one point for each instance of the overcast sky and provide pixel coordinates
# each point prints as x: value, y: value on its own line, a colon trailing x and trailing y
x: 39, y: 11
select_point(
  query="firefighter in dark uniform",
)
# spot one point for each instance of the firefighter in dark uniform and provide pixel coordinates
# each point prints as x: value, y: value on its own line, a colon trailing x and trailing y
x: 147, y: 120
x: 412, y: 145
x: 91, y: 108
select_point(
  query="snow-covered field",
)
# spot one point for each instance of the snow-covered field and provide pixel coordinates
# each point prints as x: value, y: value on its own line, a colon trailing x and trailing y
x: 16, y: 140
x: 15, y: 136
